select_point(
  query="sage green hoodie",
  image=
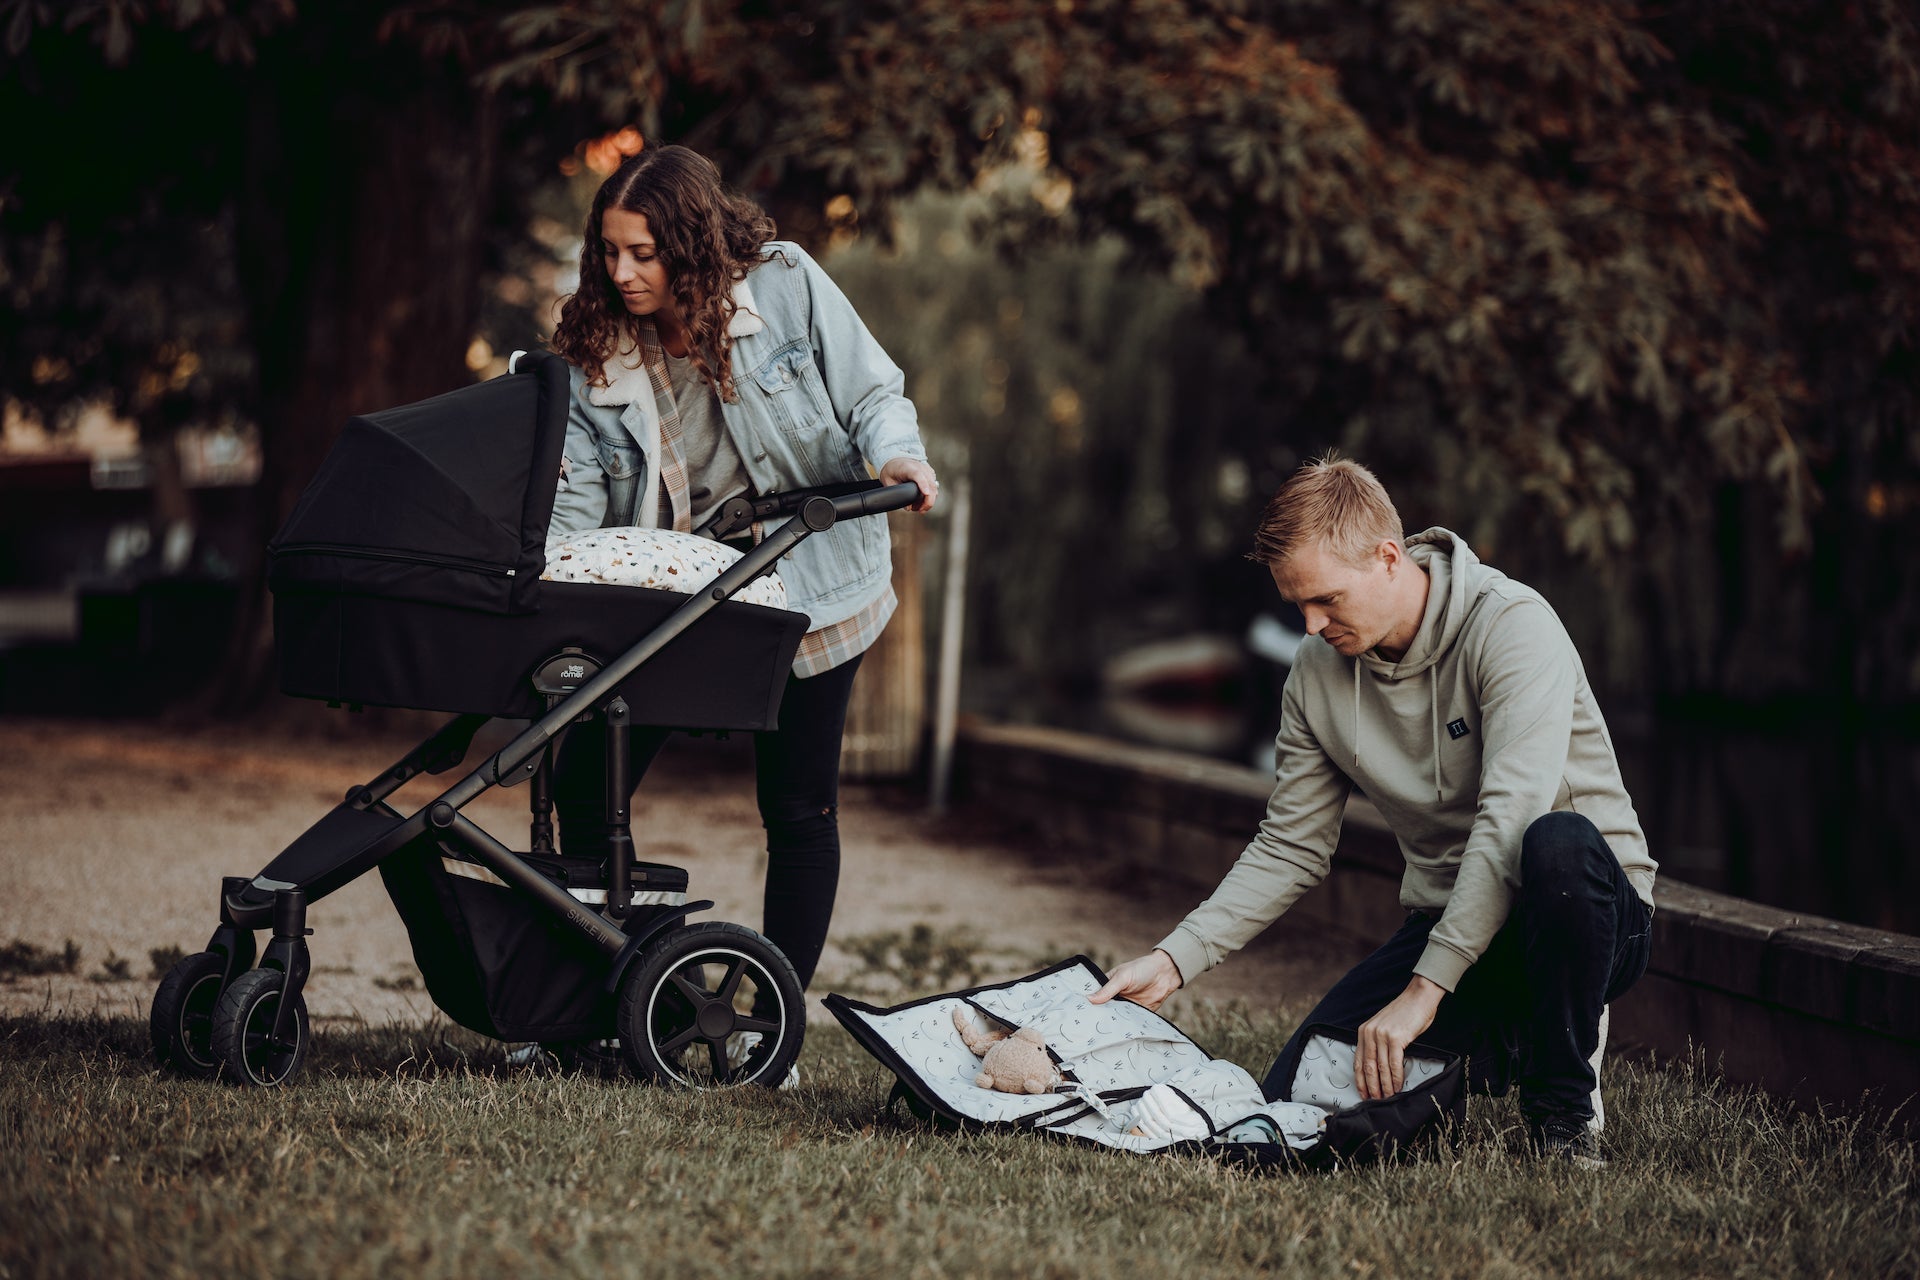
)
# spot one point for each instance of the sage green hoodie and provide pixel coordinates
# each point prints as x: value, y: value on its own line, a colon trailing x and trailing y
x: 1484, y: 725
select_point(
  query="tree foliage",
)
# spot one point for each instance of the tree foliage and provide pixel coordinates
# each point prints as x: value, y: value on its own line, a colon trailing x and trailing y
x: 1657, y: 269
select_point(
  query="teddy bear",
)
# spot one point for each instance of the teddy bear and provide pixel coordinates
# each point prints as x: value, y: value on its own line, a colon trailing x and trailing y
x: 1017, y: 1063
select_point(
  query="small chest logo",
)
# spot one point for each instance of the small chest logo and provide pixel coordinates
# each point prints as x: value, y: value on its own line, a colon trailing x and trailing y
x: 1458, y: 729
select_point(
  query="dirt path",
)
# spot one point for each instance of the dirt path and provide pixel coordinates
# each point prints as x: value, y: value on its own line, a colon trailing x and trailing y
x: 116, y: 836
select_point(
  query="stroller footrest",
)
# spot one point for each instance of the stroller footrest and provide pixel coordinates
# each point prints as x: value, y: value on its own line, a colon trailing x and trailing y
x: 344, y: 844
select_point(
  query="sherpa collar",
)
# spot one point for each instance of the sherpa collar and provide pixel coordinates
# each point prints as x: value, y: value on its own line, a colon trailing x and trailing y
x: 626, y: 373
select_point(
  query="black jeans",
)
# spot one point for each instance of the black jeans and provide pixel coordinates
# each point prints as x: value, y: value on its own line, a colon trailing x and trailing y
x: 796, y: 780
x: 1528, y: 1011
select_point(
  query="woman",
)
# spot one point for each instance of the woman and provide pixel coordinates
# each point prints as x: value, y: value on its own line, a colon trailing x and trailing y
x: 709, y: 360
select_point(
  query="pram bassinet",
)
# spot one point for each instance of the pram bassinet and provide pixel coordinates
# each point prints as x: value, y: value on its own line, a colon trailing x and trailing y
x: 409, y: 575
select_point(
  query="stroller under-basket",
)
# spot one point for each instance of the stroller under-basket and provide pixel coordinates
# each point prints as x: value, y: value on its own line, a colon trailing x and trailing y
x: 409, y: 575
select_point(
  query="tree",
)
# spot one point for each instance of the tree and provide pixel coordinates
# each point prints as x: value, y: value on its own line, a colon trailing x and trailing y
x: 1632, y: 261
x: 274, y: 211
x: 1634, y: 265
x: 1655, y: 270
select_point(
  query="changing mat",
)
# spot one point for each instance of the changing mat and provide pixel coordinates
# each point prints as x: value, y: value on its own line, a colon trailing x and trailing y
x: 662, y: 559
x: 1133, y: 1081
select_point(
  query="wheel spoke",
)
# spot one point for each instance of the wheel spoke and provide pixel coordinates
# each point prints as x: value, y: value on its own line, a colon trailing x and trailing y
x: 695, y: 995
x: 731, y: 987
x: 762, y: 1025
x: 717, y: 1050
x: 681, y: 1041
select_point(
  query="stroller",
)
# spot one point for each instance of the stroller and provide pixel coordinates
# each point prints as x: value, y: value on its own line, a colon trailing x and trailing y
x: 409, y: 575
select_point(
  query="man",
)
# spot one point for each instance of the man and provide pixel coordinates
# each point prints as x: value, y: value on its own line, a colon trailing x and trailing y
x: 1452, y: 697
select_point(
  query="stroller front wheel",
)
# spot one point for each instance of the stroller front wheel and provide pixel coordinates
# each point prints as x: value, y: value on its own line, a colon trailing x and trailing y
x: 181, y: 1021
x: 710, y: 1006
x: 243, y: 1031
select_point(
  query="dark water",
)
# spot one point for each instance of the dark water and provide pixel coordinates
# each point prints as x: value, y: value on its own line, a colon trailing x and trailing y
x: 1817, y: 819
x: 1813, y: 818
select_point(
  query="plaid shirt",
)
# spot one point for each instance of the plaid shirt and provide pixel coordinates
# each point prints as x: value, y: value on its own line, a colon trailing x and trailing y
x: 820, y: 650
x: 827, y: 648
x: 673, y: 459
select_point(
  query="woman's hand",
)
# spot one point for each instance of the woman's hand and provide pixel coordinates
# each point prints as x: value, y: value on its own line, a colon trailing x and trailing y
x: 905, y: 470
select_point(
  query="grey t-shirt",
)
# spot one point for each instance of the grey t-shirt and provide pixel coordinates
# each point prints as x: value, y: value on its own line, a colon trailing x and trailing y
x: 714, y: 469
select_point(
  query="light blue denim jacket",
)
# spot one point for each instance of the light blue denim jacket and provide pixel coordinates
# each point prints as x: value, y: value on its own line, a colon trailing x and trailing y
x: 818, y: 400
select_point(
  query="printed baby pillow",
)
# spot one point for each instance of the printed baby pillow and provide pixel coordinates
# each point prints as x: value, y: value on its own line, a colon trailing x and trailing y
x: 661, y: 559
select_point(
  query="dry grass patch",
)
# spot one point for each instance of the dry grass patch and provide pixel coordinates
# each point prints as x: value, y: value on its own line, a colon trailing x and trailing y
x: 418, y: 1151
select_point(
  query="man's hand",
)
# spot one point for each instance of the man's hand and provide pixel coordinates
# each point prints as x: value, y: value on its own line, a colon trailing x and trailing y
x: 905, y: 470
x: 1379, y: 1059
x: 1147, y: 981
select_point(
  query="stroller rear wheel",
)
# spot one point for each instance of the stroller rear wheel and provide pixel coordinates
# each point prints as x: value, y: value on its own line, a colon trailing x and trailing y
x: 182, y: 1017
x: 709, y: 1006
x: 243, y: 1030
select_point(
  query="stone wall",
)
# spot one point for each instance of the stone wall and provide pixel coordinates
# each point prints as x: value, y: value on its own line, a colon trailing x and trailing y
x: 1807, y: 1008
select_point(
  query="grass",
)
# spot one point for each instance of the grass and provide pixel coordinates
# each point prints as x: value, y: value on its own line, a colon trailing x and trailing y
x: 417, y: 1151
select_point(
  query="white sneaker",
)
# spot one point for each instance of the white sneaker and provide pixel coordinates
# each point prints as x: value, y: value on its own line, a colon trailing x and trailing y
x: 741, y: 1047
x: 532, y: 1055
x: 1599, y: 1121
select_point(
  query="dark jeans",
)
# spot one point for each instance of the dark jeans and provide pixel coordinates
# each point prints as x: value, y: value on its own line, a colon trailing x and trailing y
x: 797, y: 782
x: 1528, y: 1011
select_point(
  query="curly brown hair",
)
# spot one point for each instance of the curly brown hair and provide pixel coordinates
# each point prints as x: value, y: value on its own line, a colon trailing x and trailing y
x: 707, y: 236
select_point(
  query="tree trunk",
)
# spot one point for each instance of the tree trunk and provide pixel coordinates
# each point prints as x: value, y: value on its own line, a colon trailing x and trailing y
x: 361, y: 246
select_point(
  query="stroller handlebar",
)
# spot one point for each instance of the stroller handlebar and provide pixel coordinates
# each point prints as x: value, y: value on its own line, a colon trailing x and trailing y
x: 821, y: 512
x: 875, y: 501
x: 861, y: 498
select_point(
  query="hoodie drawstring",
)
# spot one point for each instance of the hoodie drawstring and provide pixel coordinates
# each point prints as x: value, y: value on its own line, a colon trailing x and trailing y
x: 1356, y: 713
x: 1433, y: 703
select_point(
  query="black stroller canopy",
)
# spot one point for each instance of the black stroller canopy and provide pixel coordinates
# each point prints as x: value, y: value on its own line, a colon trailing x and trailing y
x: 444, y: 501
x: 409, y: 572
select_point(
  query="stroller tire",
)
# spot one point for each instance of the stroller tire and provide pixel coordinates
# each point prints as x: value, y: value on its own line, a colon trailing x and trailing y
x: 181, y: 1020
x: 711, y: 1006
x: 243, y: 1029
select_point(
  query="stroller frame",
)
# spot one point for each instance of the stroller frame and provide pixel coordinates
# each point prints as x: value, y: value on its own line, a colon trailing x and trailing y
x: 217, y: 1013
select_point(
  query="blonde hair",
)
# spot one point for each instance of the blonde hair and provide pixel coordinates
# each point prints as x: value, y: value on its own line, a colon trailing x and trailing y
x: 1332, y: 502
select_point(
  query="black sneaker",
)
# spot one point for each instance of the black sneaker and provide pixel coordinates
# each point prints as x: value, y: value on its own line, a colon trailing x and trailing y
x: 1571, y: 1141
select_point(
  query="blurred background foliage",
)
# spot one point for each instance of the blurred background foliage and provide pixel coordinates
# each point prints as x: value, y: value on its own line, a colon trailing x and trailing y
x: 1627, y: 295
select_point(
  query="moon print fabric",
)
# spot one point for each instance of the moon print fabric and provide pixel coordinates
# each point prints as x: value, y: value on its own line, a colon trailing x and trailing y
x: 1325, y: 1074
x: 1111, y: 1055
x: 658, y: 558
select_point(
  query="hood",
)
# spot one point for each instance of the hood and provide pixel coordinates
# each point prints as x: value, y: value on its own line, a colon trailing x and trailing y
x: 1456, y: 580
